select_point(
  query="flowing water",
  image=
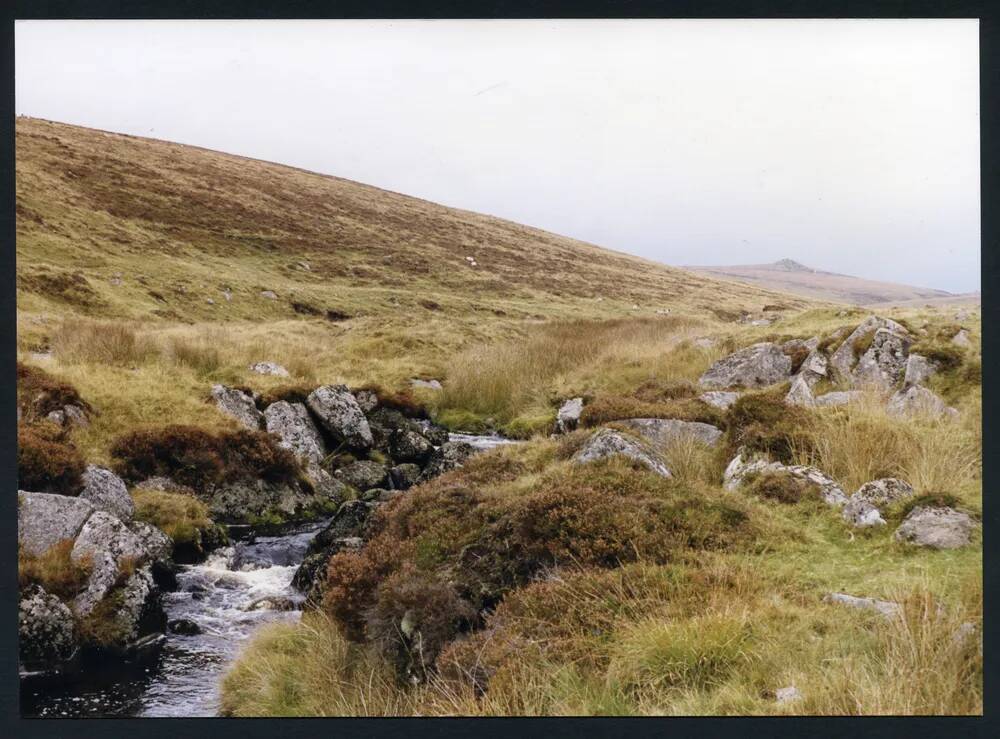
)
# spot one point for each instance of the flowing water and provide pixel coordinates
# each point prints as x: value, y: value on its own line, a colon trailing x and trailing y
x: 229, y: 596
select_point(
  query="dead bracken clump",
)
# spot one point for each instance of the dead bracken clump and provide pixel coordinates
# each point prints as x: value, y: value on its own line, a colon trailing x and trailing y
x: 39, y: 393
x: 200, y: 459
x: 47, y: 461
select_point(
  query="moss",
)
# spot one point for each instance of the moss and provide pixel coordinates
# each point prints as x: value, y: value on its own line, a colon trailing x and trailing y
x: 47, y: 461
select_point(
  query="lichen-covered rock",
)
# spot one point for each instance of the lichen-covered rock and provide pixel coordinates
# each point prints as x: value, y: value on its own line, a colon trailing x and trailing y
x: 367, y: 400
x: 568, y: 415
x: 800, y: 393
x: 269, y: 368
x: 867, y: 504
x: 45, y: 519
x: 918, y: 401
x: 345, y: 531
x: 961, y: 339
x: 919, y: 369
x: 404, y: 476
x: 842, y: 361
x: 838, y: 397
x: 242, y: 501
x: 743, y: 468
x: 814, y: 368
x: 107, y: 492
x: 238, y: 405
x: 719, y: 398
x: 139, y: 611
x: 663, y: 432
x: 338, y: 410
x: 883, y: 364
x: 448, y: 456
x: 45, y: 628
x: 110, y: 546
x: 436, y: 435
x: 364, y: 475
x: 755, y: 366
x: 607, y: 443
x: 295, y: 429
x: 406, y: 445
x: 426, y: 384
x: 936, y: 528
x: 885, y: 608
x: 157, y: 545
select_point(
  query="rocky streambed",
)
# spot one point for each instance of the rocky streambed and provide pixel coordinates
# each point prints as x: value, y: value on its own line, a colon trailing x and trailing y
x: 217, y: 606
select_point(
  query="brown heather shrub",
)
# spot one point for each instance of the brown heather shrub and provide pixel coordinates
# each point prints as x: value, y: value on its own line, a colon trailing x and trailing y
x: 656, y: 391
x: 200, y: 459
x: 484, y: 545
x: 39, y: 393
x: 47, y: 461
x: 54, y: 570
x: 762, y: 422
x: 782, y: 488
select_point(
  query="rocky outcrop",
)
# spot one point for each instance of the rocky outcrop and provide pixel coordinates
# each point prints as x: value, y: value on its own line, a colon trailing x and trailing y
x: 607, y: 443
x: 238, y: 405
x: 800, y: 393
x: 883, y: 364
x: 107, y: 492
x: 843, y: 360
x: 720, y: 399
x: 447, y: 457
x: 345, y: 531
x: 662, y: 432
x: 44, y: 520
x: 918, y: 401
x: 568, y: 416
x: 936, y: 528
x: 243, y: 500
x: 919, y: 369
x: 296, y: 431
x: 742, y: 469
x: 838, y: 397
x: 363, y: 475
x: 755, y: 366
x: 885, y: 608
x: 46, y: 631
x: 406, y: 445
x: 339, y: 413
x: 269, y: 368
x: 404, y: 476
x: 866, y: 506
x: 111, y: 547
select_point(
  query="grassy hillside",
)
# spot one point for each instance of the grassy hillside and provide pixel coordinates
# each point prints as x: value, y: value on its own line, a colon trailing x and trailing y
x: 790, y: 276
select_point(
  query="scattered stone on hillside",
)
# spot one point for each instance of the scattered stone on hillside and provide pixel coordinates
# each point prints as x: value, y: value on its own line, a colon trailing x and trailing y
x: 568, y: 416
x: 839, y: 397
x: 304, y: 265
x: 740, y: 470
x: 800, y: 393
x: 107, y: 492
x: 963, y: 315
x: 45, y: 519
x: 363, y: 475
x: 295, y: 429
x: 238, y: 405
x: 428, y: 384
x: 843, y: 360
x: 787, y: 695
x: 755, y: 366
x: 338, y: 410
x: 719, y: 398
x: 268, y: 294
x: 228, y: 295
x: 762, y: 321
x: 918, y: 370
x: 936, y: 528
x: 610, y: 443
x: 45, y: 629
x: 886, y: 608
x: 883, y: 364
x: 184, y: 627
x: 406, y: 445
x: 269, y: 368
x: 704, y: 342
x: 449, y: 456
x: 961, y: 338
x: 866, y: 505
x: 404, y: 476
x: 69, y: 415
x: 916, y: 401
x: 663, y: 311
x: 367, y: 400
x: 665, y: 431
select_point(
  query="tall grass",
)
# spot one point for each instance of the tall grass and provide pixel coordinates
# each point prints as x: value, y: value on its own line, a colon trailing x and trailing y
x: 80, y: 341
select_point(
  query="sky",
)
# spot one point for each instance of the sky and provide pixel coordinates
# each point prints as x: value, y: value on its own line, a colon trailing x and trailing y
x: 849, y: 146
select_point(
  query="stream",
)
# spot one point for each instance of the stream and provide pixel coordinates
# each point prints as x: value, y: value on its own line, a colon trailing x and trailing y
x: 230, y: 595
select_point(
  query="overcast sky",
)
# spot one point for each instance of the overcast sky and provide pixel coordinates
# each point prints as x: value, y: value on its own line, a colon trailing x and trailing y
x: 851, y: 146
